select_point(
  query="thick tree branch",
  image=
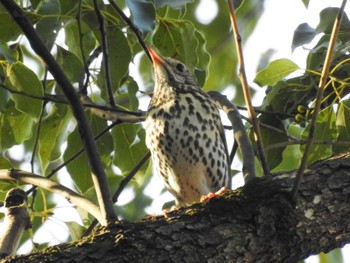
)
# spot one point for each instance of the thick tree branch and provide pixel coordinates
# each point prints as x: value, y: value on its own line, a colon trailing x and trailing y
x: 98, y: 173
x: 257, y: 223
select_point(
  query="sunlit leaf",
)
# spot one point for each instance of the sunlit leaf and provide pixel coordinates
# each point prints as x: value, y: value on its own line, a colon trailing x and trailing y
x: 22, y: 79
x: 275, y: 71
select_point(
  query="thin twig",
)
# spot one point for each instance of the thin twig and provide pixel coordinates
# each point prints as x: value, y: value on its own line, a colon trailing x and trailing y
x: 131, y: 26
x: 121, y: 187
x: 319, y: 96
x: 75, y: 156
x: 104, y: 46
x: 98, y: 174
x: 86, y: 72
x: 54, y: 187
x: 246, y: 91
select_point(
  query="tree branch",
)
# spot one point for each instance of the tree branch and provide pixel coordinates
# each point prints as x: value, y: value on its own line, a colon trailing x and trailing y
x: 254, y: 224
x: 53, y: 187
x: 319, y: 96
x: 98, y: 173
x: 246, y: 91
x: 240, y: 134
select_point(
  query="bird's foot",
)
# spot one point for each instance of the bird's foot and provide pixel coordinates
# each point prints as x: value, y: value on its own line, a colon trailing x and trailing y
x: 212, y: 195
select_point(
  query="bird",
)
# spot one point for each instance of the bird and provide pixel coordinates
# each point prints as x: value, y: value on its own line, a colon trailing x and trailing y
x: 185, y: 135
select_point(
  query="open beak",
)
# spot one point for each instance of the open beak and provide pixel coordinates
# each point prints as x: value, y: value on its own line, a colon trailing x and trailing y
x: 156, y: 58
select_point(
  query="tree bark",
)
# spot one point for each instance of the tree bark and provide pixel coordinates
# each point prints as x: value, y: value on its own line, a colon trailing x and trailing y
x: 256, y: 223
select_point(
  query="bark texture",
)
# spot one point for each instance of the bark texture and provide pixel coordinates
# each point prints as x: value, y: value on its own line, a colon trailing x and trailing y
x: 256, y: 223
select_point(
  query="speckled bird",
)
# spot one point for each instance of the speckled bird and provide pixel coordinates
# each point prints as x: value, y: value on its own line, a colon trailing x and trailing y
x: 185, y: 134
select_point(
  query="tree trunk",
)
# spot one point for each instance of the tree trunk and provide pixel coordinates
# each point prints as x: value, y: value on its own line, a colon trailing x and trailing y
x: 256, y: 223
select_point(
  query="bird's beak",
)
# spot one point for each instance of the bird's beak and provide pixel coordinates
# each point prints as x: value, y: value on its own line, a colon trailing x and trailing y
x: 156, y: 58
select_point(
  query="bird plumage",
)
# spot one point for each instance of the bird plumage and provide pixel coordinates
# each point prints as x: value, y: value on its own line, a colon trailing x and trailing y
x: 184, y: 134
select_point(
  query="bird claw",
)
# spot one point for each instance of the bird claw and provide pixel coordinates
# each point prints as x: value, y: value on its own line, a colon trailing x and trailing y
x: 212, y: 195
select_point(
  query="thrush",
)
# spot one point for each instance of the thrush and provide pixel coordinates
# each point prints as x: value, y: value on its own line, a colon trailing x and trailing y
x: 185, y: 134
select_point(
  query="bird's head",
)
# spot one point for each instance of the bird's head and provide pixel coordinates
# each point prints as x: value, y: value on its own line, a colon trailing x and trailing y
x: 171, y: 71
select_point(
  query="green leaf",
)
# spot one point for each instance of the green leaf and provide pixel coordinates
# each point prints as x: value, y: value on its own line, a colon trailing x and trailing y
x: 6, y: 52
x: 15, y: 127
x: 343, y: 125
x: 76, y: 231
x: 143, y: 14
x: 306, y: 3
x: 325, y: 130
x: 5, y: 164
x: 72, y: 65
x: 303, y: 34
x: 53, y: 134
x: 333, y: 256
x: 174, y: 4
x: 271, y: 137
x: 9, y: 30
x: 48, y: 25
x: 73, y: 39
x: 275, y: 71
x: 119, y: 56
x: 78, y: 169
x: 180, y: 40
x: 22, y: 79
x: 129, y: 146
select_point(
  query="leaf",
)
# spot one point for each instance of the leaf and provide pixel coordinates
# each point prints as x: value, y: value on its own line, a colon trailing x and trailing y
x: 174, y: 4
x: 306, y: 3
x: 15, y: 127
x: 48, y: 25
x: 72, y: 39
x: 275, y: 71
x: 129, y: 146
x: 72, y: 66
x: 6, y: 52
x: 22, y: 79
x: 53, y: 134
x: 343, y: 125
x: 325, y: 130
x: 9, y: 30
x: 119, y: 58
x: 76, y: 231
x: 79, y: 169
x: 143, y: 14
x: 180, y: 40
x: 303, y: 34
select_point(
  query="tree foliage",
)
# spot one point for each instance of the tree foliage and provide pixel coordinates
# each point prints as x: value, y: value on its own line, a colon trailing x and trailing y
x: 95, y: 45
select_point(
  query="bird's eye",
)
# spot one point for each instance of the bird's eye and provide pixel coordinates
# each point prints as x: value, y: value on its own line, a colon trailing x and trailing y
x: 180, y: 67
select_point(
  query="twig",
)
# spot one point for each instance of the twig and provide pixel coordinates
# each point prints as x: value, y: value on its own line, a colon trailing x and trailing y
x: 132, y: 27
x: 48, y: 184
x: 102, y: 111
x: 121, y: 187
x: 105, y: 54
x: 319, y: 95
x: 246, y: 92
x: 239, y: 133
x: 75, y: 156
x: 98, y: 174
x: 82, y: 86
